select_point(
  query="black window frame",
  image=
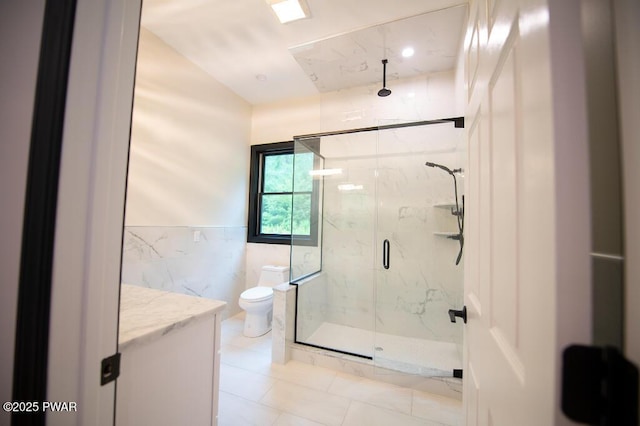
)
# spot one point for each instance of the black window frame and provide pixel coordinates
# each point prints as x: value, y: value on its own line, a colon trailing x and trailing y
x: 256, y: 186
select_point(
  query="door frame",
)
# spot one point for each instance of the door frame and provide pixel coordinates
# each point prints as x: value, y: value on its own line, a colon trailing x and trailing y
x: 34, y: 289
x: 626, y: 18
x: 90, y: 215
x: 21, y: 25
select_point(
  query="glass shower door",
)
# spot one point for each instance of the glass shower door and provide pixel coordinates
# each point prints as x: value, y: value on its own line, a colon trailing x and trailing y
x: 335, y: 298
x: 380, y: 280
x: 416, y: 279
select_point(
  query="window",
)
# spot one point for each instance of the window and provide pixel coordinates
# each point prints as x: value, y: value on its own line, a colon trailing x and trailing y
x: 283, y: 197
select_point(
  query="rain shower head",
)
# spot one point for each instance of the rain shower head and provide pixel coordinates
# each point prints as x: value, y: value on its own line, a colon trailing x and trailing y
x: 384, y: 91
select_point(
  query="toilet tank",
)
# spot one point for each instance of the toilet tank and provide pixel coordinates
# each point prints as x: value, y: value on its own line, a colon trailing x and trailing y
x: 272, y: 275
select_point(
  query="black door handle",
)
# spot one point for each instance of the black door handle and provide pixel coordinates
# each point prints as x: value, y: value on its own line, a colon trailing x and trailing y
x: 462, y: 314
x: 385, y: 254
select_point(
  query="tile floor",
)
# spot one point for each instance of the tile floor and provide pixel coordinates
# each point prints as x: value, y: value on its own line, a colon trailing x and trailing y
x: 255, y: 392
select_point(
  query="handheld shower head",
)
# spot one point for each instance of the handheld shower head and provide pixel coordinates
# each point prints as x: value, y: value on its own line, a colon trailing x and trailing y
x: 440, y: 166
x: 458, y: 212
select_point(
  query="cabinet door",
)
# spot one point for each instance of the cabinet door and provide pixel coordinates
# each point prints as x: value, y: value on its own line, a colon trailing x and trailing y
x: 171, y: 378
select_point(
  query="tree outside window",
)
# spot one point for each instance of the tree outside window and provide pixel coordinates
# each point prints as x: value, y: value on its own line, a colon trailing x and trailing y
x: 282, y: 194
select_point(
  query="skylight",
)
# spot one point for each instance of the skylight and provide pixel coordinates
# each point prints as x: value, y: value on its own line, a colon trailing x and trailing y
x: 289, y: 10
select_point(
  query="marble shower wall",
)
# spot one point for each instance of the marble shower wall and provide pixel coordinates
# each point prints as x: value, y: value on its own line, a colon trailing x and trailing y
x: 313, y: 303
x: 400, y: 199
x: 425, y: 97
x: 200, y: 261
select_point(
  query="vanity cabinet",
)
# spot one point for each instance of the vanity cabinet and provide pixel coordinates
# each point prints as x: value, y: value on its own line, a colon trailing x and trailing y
x: 170, y: 358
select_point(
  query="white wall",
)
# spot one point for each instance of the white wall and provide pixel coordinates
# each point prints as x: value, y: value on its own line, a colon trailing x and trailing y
x: 20, y: 31
x: 259, y: 255
x: 189, y: 144
x: 185, y: 226
x: 418, y: 98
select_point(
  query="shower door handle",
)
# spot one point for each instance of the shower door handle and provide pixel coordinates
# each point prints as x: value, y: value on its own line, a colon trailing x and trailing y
x: 385, y: 254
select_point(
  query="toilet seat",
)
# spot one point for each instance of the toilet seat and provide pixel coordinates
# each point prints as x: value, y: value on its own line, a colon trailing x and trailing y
x: 257, y: 294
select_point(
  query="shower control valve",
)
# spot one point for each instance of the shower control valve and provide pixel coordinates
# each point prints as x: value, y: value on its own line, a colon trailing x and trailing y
x: 462, y: 314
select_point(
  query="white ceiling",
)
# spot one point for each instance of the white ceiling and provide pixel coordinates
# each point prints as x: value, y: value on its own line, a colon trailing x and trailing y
x: 341, y: 45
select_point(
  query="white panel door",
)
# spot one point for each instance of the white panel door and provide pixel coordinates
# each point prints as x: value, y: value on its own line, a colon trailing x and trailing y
x: 515, y: 214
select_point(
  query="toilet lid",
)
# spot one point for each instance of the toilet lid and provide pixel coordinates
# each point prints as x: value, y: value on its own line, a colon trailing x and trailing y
x: 257, y: 294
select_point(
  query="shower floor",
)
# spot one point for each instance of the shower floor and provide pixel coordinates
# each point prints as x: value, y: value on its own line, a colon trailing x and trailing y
x: 398, y: 353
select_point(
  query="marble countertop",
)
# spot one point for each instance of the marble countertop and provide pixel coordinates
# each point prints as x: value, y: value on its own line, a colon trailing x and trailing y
x: 147, y: 314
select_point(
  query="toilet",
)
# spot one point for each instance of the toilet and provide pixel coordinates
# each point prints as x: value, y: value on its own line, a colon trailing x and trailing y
x: 257, y: 301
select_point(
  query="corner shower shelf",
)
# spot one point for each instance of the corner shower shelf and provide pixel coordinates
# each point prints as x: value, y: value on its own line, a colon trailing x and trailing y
x: 449, y: 205
x: 446, y: 234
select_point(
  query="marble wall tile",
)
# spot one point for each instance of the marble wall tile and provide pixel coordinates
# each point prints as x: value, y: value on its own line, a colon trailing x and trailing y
x: 305, y: 260
x: 259, y: 255
x: 284, y: 312
x: 313, y: 305
x: 199, y: 261
x: 397, y: 202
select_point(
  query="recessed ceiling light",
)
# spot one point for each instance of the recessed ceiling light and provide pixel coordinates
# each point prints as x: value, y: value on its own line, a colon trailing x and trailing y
x: 407, y: 52
x: 289, y: 10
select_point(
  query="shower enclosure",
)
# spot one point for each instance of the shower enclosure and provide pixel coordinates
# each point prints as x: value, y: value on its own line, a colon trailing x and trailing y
x: 378, y: 275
